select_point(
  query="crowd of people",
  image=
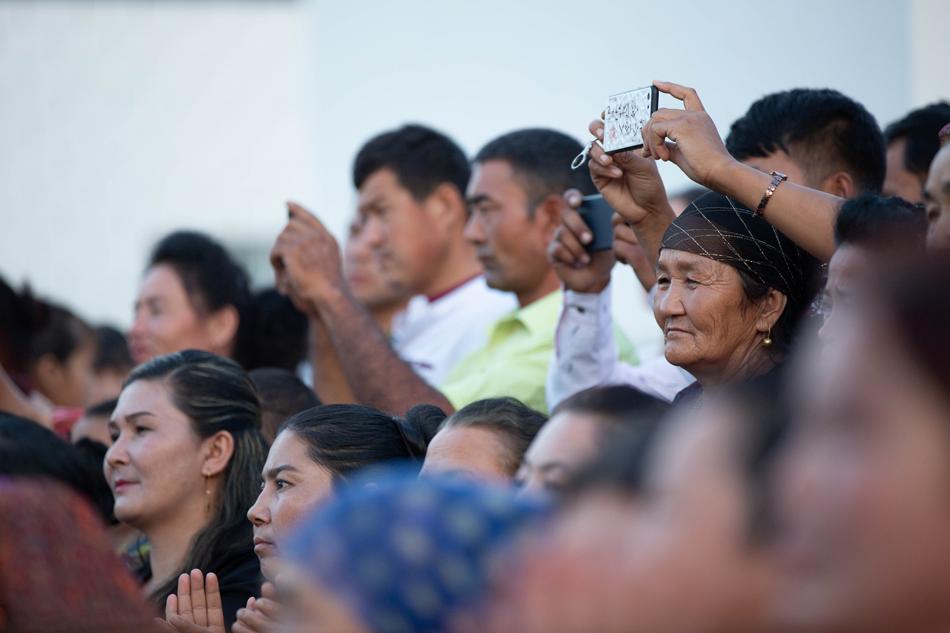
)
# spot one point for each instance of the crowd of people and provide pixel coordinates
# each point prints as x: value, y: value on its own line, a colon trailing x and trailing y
x: 437, y: 426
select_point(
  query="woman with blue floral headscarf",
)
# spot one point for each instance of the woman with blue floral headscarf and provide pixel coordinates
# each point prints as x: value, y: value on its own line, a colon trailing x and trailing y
x: 402, y: 556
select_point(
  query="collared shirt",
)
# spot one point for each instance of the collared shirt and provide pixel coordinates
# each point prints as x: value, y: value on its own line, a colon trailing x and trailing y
x: 515, y: 360
x: 433, y: 335
x: 587, y: 355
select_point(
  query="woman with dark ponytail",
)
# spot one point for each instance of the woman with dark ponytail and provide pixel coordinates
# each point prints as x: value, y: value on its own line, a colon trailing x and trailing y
x: 184, y: 465
x: 319, y: 449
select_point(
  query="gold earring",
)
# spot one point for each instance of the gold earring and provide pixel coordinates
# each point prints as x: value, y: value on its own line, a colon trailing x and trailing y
x: 207, y: 495
x: 767, y: 341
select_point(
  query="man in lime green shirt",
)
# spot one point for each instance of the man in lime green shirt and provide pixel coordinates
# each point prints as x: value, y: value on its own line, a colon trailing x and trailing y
x: 516, y: 201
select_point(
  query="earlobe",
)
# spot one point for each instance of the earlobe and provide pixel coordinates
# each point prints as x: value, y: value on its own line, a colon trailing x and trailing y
x: 219, y: 449
x: 47, y: 372
x: 447, y: 205
x: 841, y: 184
x: 549, y: 212
x: 223, y: 327
x: 772, y: 308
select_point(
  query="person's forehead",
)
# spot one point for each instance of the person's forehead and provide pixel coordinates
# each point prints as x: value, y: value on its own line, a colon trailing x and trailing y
x: 143, y: 395
x: 497, y: 181
x: 676, y: 260
x: 160, y: 279
x: 380, y: 187
x: 563, y: 438
x: 848, y: 262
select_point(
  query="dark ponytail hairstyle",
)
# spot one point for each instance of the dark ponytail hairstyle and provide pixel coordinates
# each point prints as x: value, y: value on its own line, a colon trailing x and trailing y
x: 216, y: 395
x: 345, y: 438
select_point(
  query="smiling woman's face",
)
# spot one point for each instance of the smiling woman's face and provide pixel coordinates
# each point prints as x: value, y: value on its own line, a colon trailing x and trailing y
x: 292, y: 484
x: 701, y: 307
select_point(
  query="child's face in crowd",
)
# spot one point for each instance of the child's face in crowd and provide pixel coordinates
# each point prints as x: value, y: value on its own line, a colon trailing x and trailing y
x: 292, y: 484
x: 165, y: 319
x: 863, y: 492
x: 510, y: 237
x: 566, y: 443
x: 408, y: 238
x: 467, y: 451
x: 154, y: 465
x: 937, y: 202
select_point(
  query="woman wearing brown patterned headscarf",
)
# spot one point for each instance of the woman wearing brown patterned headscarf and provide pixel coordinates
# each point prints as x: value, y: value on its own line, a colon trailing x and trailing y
x: 58, y: 571
x: 731, y: 291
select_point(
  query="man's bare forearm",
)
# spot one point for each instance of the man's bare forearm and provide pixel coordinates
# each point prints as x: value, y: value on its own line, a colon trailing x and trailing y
x: 329, y: 381
x: 376, y: 375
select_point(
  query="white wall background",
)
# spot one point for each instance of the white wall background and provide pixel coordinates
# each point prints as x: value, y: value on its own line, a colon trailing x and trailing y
x: 121, y: 120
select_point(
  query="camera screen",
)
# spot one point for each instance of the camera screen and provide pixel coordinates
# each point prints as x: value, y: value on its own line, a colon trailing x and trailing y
x: 624, y: 118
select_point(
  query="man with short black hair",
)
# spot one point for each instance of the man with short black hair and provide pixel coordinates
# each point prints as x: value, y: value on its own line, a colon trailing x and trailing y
x: 912, y: 143
x: 817, y: 137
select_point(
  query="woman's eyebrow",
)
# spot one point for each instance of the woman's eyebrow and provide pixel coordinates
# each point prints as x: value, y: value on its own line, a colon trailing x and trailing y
x: 276, y: 470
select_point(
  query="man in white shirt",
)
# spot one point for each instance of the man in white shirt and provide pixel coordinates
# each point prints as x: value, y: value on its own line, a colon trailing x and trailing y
x: 435, y: 332
x: 412, y: 214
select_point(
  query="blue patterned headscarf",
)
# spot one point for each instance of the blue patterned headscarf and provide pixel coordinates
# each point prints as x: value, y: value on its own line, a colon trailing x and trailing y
x: 408, y: 554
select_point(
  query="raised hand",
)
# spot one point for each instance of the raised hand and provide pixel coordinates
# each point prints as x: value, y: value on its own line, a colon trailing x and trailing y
x: 686, y: 137
x: 630, y: 183
x: 196, y: 607
x: 577, y: 269
x: 306, y: 260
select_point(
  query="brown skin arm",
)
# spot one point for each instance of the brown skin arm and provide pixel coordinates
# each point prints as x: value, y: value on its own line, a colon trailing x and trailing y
x: 689, y: 138
x: 329, y: 380
x: 307, y: 264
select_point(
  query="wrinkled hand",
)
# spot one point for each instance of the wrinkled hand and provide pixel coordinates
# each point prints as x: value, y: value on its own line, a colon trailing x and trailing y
x: 577, y: 269
x: 630, y: 183
x: 196, y: 608
x: 627, y: 250
x: 687, y: 137
x: 306, y: 261
x: 261, y: 615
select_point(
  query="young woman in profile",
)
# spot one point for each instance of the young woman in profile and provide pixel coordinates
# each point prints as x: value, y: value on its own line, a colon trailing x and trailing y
x: 184, y: 465
x: 313, y: 455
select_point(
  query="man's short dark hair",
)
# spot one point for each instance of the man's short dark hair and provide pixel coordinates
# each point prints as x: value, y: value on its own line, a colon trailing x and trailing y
x: 541, y: 159
x: 920, y: 129
x: 822, y: 129
x: 881, y: 223
x: 420, y: 157
x: 283, y: 395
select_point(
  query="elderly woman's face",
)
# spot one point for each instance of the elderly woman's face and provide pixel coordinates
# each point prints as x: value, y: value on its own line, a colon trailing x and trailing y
x: 702, y: 310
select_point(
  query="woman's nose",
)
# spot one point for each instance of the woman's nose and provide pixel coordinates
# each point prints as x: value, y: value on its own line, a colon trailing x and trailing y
x: 258, y: 514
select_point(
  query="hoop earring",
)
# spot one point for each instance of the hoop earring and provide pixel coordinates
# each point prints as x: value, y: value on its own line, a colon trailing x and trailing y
x: 767, y: 341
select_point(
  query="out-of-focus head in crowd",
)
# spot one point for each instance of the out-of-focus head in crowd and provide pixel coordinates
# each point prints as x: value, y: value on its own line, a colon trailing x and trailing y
x: 485, y: 440
x: 192, y: 296
x: 912, y: 143
x: 817, y: 137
